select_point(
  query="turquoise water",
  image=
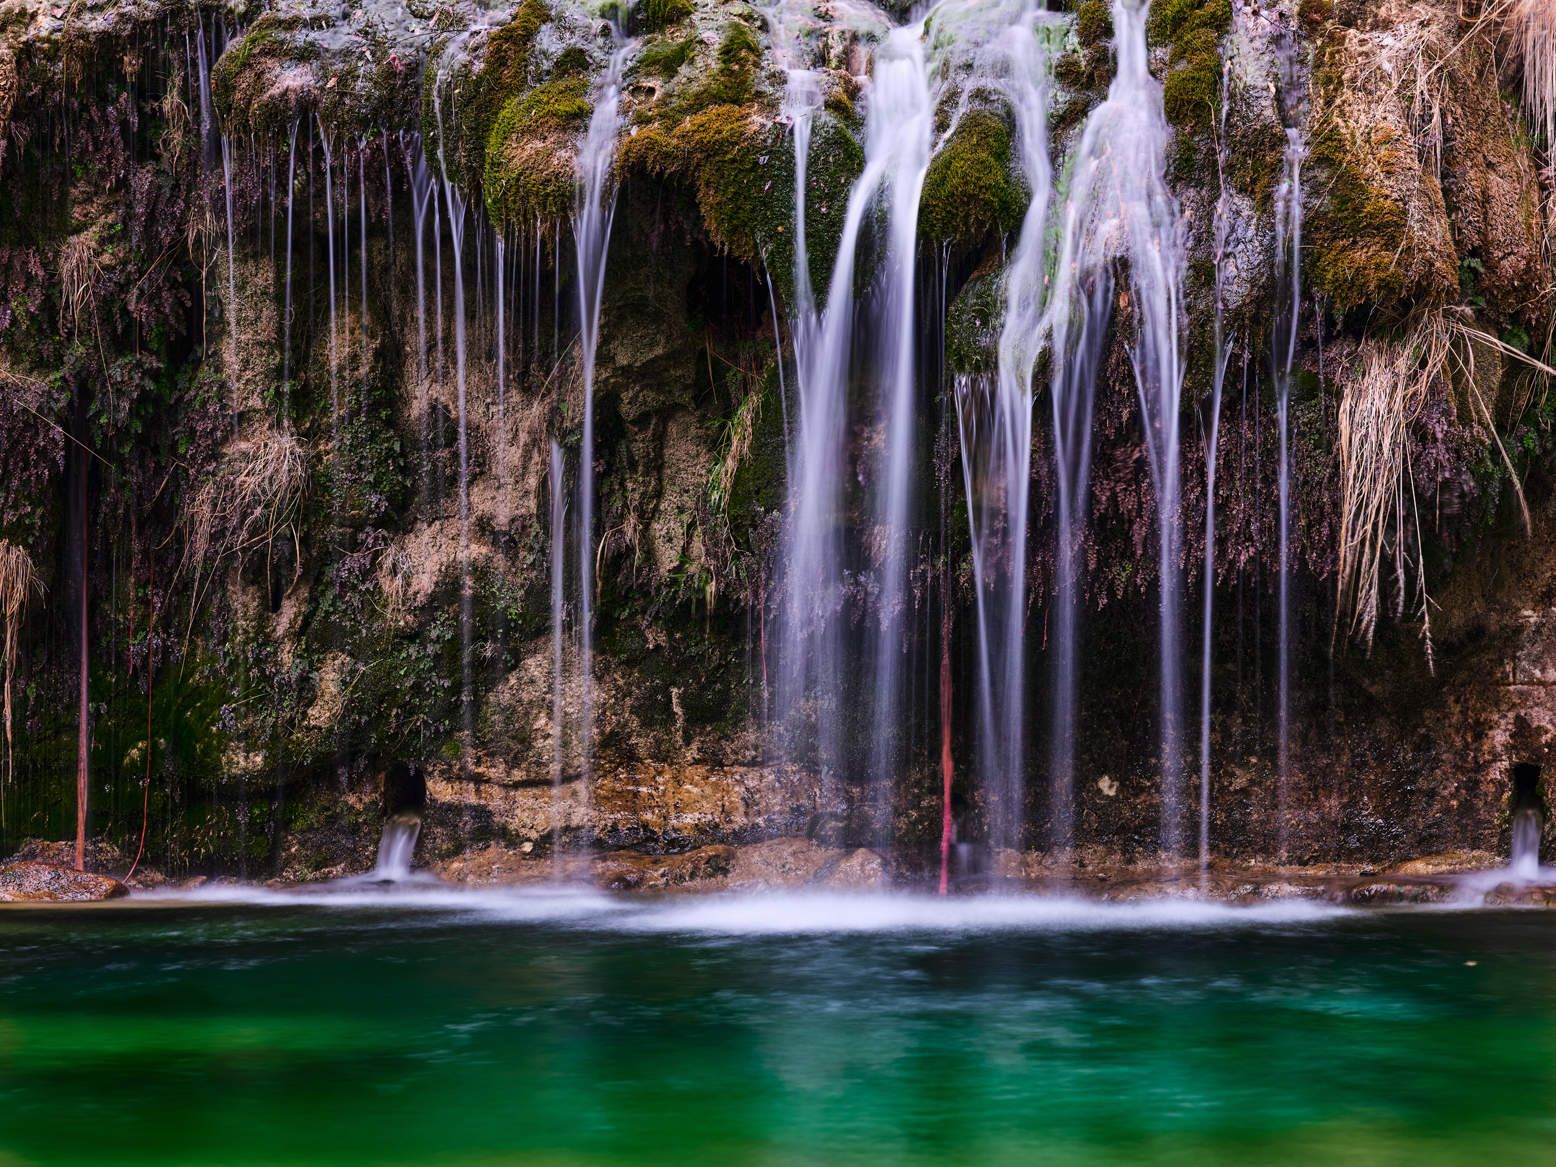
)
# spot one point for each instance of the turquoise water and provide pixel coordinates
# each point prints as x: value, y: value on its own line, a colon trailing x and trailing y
x: 572, y: 1030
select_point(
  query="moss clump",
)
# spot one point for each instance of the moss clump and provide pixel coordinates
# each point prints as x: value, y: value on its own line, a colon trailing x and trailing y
x: 554, y: 105
x: 1191, y: 30
x: 660, y: 14
x: 717, y: 150
x: 529, y: 171
x: 1093, y: 24
x: 834, y: 163
x: 481, y: 100
x: 1172, y: 20
x: 1191, y: 95
x: 730, y: 81
x: 665, y: 58
x: 972, y: 325
x: 969, y: 189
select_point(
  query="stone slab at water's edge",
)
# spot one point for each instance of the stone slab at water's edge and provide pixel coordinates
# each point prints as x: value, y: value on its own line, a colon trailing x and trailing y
x: 28, y: 881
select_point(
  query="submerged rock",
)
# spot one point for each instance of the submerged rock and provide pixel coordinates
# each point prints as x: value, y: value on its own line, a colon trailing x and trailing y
x: 31, y: 881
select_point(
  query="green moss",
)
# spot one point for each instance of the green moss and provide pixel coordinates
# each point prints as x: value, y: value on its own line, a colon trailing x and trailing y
x: 1191, y: 94
x: 1093, y: 24
x: 659, y: 14
x: 1172, y: 20
x: 972, y: 325
x: 835, y: 162
x: 479, y: 101
x: 665, y: 58
x: 554, y: 105
x: 730, y: 81
x: 969, y: 189
x: 573, y: 60
x: 1355, y: 242
x: 716, y: 150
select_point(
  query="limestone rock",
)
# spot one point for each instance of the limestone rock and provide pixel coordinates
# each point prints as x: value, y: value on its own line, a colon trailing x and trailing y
x: 30, y: 881
x: 779, y: 863
x: 863, y: 869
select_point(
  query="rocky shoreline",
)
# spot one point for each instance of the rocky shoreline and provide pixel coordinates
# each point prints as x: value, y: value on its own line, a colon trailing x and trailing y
x: 42, y: 872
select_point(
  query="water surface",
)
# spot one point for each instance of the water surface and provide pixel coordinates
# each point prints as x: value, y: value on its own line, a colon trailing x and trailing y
x: 578, y: 1029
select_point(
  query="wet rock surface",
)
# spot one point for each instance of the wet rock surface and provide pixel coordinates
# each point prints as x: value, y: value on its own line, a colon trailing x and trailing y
x: 30, y: 882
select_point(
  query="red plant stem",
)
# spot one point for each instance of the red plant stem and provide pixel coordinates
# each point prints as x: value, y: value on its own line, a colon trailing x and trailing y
x: 945, y: 744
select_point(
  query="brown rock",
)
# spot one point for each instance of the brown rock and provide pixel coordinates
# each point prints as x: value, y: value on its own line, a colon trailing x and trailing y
x: 862, y: 869
x: 29, y: 881
x: 627, y: 871
x: 1401, y: 893
x: 779, y: 863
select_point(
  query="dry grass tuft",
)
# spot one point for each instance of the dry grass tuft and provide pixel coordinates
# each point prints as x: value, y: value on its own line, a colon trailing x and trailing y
x: 1534, y: 26
x: 1377, y: 499
x: 254, y: 499
x: 17, y: 582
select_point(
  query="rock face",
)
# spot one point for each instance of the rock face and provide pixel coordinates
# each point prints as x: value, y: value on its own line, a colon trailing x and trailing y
x: 32, y: 882
x: 337, y: 469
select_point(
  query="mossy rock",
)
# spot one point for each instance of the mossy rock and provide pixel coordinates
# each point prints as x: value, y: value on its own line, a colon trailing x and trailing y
x: 1093, y: 24
x: 969, y: 189
x: 973, y: 323
x: 1191, y: 31
x: 717, y: 151
x: 474, y: 101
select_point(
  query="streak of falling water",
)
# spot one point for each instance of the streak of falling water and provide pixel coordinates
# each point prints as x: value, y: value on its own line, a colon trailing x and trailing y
x: 329, y: 219
x: 994, y: 418
x: 1288, y: 261
x: 1119, y: 206
x: 456, y: 227
x: 362, y: 235
x: 901, y: 85
x: 286, y: 316
x: 810, y: 644
x: 591, y: 235
x: 558, y: 570
x: 1210, y: 430
x: 232, y: 276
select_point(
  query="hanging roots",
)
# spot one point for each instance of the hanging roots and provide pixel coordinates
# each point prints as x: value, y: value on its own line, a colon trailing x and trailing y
x: 17, y: 582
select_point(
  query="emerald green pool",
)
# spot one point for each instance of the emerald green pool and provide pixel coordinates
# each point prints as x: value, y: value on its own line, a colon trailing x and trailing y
x: 580, y: 1029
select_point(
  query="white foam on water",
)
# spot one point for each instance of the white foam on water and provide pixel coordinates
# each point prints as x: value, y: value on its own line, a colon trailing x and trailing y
x: 769, y: 913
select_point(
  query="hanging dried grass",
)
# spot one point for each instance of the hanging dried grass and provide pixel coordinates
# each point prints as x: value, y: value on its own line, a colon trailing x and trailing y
x: 17, y: 582
x: 1378, y: 406
x: 1534, y: 24
x: 254, y: 499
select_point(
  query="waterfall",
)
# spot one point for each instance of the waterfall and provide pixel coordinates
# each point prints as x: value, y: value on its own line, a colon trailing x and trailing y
x: 286, y: 314
x: 810, y: 622
x: 1118, y: 207
x: 1288, y: 269
x: 994, y: 418
x: 456, y: 227
x: 1525, y: 861
x: 1210, y: 431
x: 591, y: 238
x: 558, y: 573
x: 902, y: 88
x: 396, y: 846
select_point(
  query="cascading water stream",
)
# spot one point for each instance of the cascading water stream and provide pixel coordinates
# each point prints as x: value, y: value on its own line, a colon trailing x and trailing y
x: 1119, y: 207
x: 994, y: 418
x: 396, y: 846
x: 901, y: 92
x: 1210, y: 430
x: 592, y: 220
x: 810, y: 643
x: 1288, y: 266
x: 558, y: 579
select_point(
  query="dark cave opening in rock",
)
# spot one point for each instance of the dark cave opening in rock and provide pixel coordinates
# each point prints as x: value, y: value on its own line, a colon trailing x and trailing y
x: 405, y: 790
x: 1526, y: 786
